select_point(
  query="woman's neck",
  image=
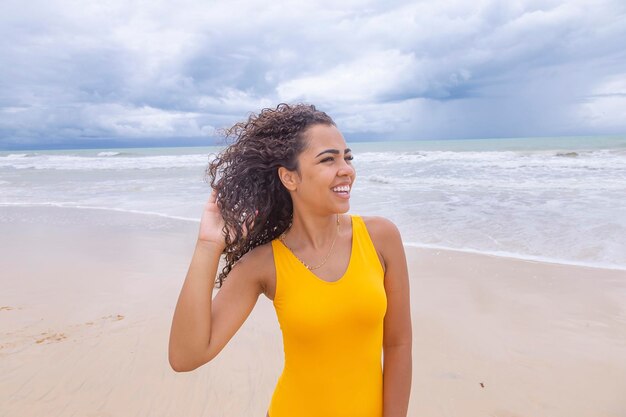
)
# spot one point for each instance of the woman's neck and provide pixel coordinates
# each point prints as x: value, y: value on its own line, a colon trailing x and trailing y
x: 312, y: 231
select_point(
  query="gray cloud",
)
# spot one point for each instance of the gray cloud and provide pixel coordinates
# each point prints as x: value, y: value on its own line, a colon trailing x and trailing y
x: 384, y: 70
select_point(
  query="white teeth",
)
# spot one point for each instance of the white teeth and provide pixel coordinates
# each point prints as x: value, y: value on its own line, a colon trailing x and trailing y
x: 343, y: 188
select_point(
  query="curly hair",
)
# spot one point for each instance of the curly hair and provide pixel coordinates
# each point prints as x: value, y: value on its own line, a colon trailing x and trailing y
x: 250, y: 195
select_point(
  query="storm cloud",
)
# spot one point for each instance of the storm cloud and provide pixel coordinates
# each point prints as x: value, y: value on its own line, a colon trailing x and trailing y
x: 89, y: 73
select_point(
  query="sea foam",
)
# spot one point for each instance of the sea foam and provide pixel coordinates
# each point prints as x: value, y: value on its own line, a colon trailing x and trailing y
x: 560, y: 203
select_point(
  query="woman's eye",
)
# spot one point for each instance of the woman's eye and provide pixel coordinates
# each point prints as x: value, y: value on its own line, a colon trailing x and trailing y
x: 330, y: 158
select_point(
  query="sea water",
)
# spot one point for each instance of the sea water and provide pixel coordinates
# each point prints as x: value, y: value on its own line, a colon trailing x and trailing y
x: 552, y: 199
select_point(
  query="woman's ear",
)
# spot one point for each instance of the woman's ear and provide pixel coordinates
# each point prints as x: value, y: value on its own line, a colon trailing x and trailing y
x: 289, y: 179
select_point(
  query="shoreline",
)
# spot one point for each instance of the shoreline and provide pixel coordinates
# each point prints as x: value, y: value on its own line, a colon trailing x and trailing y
x: 407, y: 244
x: 88, y: 298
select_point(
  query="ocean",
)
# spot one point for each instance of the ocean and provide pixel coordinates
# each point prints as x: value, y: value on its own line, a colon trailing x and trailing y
x: 559, y: 200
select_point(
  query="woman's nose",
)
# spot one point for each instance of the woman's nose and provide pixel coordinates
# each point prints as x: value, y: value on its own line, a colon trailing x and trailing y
x: 346, y: 169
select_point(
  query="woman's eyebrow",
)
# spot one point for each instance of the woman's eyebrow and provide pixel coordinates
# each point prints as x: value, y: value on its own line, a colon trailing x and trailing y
x: 333, y: 151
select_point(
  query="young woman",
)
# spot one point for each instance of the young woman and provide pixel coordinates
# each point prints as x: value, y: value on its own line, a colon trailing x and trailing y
x: 339, y: 282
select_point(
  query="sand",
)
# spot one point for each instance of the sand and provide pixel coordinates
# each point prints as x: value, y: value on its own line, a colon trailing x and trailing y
x: 87, y: 296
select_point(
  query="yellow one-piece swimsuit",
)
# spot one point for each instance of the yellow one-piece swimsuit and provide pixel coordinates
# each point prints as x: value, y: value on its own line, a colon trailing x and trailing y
x: 332, y: 335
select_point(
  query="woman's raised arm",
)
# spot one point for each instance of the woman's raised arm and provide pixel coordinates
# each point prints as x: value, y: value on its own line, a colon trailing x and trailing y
x: 202, y: 326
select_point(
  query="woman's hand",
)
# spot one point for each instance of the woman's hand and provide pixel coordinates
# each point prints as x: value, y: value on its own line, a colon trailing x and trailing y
x: 212, y: 223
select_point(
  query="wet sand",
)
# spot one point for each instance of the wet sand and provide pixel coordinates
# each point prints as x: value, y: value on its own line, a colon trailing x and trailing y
x: 87, y: 298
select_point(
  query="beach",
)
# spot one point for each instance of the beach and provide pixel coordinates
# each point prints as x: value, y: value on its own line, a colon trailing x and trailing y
x: 88, y: 296
x: 490, y: 135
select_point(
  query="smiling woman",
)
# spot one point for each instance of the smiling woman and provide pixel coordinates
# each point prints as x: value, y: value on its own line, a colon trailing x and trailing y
x: 339, y: 282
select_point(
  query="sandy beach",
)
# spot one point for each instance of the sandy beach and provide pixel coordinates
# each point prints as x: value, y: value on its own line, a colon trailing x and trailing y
x: 87, y: 297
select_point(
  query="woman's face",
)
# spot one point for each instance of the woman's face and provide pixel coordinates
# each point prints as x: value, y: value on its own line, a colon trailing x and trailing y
x: 326, y: 172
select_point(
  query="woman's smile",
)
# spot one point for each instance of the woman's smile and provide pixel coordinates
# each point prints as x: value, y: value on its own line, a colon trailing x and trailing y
x: 342, y: 191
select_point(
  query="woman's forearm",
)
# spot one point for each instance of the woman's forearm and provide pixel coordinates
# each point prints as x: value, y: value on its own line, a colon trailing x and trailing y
x: 191, y: 325
x: 397, y: 373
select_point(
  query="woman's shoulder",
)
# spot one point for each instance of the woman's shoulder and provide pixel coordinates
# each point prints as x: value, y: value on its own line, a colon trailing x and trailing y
x: 257, y: 266
x: 384, y: 236
x: 380, y: 228
x: 258, y: 257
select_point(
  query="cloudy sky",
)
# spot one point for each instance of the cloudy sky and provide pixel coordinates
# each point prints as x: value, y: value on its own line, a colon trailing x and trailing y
x: 104, y: 73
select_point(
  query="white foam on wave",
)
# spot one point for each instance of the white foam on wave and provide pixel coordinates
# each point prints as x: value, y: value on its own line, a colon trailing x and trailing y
x: 521, y: 256
x: 102, y: 162
x: 538, y: 170
x: 380, y: 179
x: 503, y: 159
x: 109, y: 153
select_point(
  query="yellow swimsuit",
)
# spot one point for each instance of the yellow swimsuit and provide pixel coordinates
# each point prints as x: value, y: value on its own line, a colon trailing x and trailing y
x: 332, y: 335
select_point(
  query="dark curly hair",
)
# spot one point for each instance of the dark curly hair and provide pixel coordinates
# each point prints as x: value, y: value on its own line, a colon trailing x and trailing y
x: 250, y: 194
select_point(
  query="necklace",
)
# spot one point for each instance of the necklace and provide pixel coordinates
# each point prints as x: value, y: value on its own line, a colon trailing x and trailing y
x: 311, y: 268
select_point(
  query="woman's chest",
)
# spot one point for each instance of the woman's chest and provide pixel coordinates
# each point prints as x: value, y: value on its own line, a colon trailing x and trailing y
x: 308, y: 309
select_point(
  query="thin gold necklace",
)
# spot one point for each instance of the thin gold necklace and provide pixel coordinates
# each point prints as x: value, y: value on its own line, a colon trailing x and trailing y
x: 312, y: 268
